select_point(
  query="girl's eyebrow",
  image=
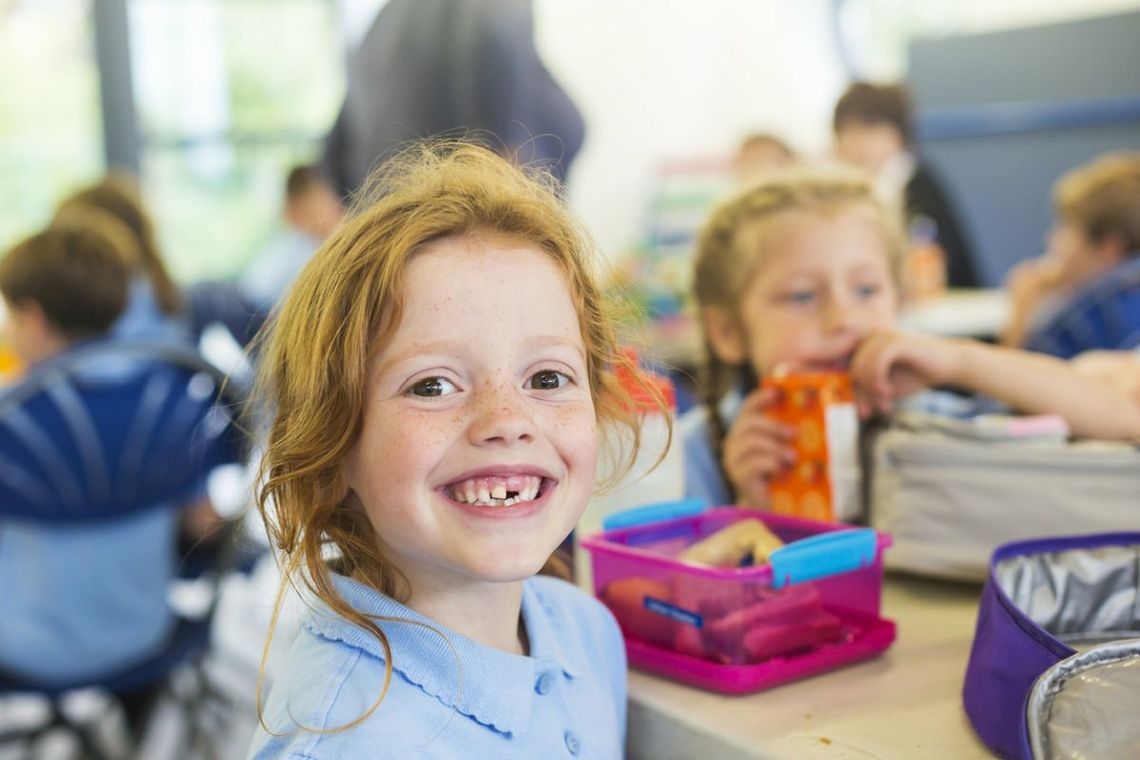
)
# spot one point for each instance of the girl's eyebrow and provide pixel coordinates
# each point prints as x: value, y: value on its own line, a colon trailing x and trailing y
x: 557, y: 341
x: 456, y: 348
x: 866, y: 266
x: 435, y: 348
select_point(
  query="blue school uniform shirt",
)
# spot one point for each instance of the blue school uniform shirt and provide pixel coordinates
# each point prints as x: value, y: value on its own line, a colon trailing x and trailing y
x: 144, y: 319
x: 451, y: 697
x: 1101, y: 314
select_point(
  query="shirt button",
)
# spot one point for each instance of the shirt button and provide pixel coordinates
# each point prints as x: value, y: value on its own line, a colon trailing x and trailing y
x: 572, y: 743
x: 543, y: 684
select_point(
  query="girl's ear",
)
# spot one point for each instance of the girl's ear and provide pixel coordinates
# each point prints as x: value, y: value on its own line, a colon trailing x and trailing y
x: 353, y: 502
x: 724, y: 334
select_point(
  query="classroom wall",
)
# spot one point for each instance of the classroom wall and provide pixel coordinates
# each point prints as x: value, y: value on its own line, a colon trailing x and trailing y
x: 664, y: 79
x: 675, y: 79
x: 1004, y: 114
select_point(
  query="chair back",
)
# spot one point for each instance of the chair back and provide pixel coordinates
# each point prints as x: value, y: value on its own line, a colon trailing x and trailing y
x: 112, y: 428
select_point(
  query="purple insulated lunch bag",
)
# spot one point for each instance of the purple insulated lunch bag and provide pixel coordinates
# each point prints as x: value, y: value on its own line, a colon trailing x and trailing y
x: 1054, y: 671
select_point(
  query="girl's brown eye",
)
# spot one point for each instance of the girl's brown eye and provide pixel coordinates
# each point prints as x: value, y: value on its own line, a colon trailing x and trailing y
x: 548, y: 380
x: 431, y: 387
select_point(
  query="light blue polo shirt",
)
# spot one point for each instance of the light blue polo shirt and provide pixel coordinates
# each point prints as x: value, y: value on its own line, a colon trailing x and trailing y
x: 454, y: 698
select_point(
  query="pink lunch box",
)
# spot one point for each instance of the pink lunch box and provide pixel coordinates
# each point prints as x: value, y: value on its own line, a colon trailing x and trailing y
x: 812, y: 608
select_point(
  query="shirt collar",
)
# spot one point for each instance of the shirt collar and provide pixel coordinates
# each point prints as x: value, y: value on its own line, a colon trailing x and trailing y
x: 547, y: 642
x: 495, y: 688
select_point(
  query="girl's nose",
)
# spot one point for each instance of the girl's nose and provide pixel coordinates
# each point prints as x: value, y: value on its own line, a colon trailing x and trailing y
x: 501, y: 417
x: 839, y: 314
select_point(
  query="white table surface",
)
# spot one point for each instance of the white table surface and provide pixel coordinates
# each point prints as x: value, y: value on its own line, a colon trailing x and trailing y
x: 905, y: 704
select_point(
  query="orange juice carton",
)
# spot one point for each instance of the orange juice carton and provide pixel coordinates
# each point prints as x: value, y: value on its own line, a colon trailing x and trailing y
x: 825, y: 481
x: 10, y: 365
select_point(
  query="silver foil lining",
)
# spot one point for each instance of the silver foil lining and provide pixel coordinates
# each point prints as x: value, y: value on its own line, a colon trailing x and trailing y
x: 1078, y: 595
x: 1085, y: 707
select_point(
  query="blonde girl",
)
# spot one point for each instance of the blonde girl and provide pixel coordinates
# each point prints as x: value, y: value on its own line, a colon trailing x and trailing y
x: 438, y: 374
x: 791, y: 273
x: 797, y: 273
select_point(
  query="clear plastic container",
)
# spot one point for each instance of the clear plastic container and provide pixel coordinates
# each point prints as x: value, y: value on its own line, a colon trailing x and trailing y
x: 813, y: 607
x: 643, y: 483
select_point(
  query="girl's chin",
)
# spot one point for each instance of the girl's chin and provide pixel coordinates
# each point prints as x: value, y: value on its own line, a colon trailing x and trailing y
x: 515, y: 572
x: 506, y: 564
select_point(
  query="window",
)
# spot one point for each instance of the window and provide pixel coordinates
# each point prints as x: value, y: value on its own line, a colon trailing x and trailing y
x: 50, y: 133
x: 229, y: 95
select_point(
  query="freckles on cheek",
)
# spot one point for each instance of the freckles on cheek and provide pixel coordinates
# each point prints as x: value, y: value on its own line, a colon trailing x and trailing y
x: 579, y: 425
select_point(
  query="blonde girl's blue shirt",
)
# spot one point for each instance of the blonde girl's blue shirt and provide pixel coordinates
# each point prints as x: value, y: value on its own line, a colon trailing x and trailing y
x: 451, y: 698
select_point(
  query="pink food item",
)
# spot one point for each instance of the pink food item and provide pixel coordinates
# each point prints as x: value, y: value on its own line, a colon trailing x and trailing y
x: 783, y: 621
x: 773, y: 639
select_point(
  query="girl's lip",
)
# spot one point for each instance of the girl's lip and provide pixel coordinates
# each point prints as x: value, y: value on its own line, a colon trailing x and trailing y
x: 500, y: 471
x: 839, y: 363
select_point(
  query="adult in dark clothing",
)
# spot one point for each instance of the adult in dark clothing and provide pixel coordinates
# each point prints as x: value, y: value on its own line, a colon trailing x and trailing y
x: 925, y: 197
x: 874, y: 131
x: 431, y: 67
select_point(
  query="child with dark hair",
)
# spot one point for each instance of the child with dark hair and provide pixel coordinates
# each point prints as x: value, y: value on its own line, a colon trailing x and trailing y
x: 64, y: 285
x: 310, y: 213
x: 79, y: 608
x: 874, y: 131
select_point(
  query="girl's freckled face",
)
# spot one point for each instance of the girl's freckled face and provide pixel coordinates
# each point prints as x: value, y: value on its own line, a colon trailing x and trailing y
x: 486, y: 373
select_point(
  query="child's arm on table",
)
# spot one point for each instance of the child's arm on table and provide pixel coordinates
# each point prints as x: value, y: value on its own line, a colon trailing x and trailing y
x: 890, y: 365
x: 756, y: 448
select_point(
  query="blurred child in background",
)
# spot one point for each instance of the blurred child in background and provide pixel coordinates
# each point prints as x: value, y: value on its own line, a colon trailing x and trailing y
x: 439, y: 372
x: 75, y: 612
x: 1083, y: 293
x: 65, y: 285
x: 155, y: 307
x: 311, y: 211
x: 798, y: 273
x: 874, y: 131
x: 759, y: 153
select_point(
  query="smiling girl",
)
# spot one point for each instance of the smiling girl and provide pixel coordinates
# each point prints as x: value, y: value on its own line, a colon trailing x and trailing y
x: 439, y: 374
